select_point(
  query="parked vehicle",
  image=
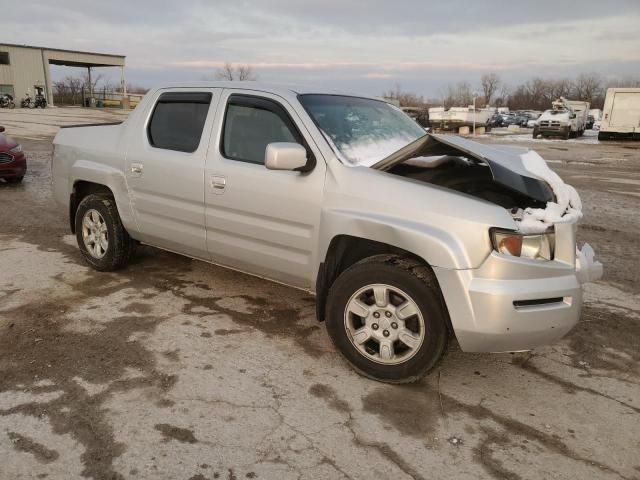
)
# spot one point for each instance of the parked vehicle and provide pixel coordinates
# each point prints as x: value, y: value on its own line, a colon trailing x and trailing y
x: 581, y: 109
x: 13, y: 163
x: 419, y: 114
x: 596, y: 113
x: 590, y: 122
x: 621, y: 115
x: 457, y: 117
x: 6, y: 101
x: 566, y: 119
x: 402, y: 235
x: 495, y: 121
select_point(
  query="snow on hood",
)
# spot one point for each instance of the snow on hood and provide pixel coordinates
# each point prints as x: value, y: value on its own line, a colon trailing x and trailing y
x: 567, y: 207
x: 560, y: 115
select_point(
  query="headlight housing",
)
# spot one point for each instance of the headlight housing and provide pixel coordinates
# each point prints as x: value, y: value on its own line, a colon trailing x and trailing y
x: 16, y: 149
x: 539, y: 246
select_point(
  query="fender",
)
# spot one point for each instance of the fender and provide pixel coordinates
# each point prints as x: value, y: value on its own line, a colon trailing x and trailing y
x: 434, y: 245
x: 114, y: 179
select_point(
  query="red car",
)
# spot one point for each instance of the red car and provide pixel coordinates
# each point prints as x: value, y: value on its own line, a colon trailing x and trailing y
x: 13, y: 163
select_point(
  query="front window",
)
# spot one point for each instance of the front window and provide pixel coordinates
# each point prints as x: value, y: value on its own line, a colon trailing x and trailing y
x: 361, y: 131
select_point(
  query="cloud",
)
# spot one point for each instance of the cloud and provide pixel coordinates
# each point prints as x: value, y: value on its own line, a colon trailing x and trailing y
x: 365, y: 44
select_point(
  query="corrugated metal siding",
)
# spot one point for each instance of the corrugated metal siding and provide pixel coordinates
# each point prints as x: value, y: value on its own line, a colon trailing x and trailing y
x: 26, y: 68
x: 24, y: 71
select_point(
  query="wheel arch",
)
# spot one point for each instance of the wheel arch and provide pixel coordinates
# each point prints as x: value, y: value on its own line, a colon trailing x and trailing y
x: 89, y: 177
x: 79, y: 191
x: 346, y: 250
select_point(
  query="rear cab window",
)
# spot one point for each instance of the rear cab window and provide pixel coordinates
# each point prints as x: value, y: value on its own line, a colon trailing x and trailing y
x: 177, y: 120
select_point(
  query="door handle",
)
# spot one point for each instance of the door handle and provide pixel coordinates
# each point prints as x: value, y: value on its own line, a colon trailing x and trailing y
x: 136, y: 169
x: 218, y: 183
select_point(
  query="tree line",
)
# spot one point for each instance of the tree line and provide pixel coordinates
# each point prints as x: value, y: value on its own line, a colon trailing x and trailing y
x: 73, y: 88
x: 534, y: 94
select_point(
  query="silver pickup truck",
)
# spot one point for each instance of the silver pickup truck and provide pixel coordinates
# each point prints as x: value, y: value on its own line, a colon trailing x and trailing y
x: 404, y: 237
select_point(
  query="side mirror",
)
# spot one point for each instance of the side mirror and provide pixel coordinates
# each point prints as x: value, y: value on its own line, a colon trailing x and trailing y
x: 1, y: 129
x: 573, y: 115
x: 285, y: 156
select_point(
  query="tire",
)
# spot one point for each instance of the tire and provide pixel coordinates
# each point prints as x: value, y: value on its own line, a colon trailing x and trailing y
x: 408, y: 281
x: 535, y: 133
x: 120, y: 247
x: 14, y: 179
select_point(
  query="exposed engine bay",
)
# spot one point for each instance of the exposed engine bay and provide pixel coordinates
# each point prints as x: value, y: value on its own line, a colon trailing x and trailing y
x: 465, y: 175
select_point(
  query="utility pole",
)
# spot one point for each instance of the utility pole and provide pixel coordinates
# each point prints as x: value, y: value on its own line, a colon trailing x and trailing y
x: 90, y: 86
x: 474, y: 114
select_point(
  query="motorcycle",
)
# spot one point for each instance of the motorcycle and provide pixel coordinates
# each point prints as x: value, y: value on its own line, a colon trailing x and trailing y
x: 29, y: 102
x: 6, y: 101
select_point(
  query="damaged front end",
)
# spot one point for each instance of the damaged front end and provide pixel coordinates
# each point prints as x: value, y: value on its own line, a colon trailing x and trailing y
x: 493, y: 173
x: 512, y: 177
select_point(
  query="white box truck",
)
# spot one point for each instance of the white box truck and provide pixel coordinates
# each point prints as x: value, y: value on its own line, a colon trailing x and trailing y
x: 621, y: 115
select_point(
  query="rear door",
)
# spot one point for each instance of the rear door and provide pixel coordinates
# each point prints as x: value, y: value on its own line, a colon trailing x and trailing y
x: 165, y: 169
x: 261, y: 221
x: 625, y: 113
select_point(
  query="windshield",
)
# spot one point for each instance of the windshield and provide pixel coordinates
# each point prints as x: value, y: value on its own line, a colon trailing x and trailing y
x: 361, y: 131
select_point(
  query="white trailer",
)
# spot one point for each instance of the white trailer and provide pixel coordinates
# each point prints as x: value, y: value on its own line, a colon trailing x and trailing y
x: 621, y: 114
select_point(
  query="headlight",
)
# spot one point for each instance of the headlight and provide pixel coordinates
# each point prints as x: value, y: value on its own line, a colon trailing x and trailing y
x: 536, y: 247
x: 16, y: 149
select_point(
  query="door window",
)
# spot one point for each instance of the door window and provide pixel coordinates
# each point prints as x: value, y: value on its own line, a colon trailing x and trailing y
x: 251, y: 123
x: 178, y: 119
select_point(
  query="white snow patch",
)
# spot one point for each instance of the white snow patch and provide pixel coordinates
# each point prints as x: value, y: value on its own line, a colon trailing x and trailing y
x: 428, y: 162
x: 370, y: 150
x: 588, y: 269
x: 566, y: 209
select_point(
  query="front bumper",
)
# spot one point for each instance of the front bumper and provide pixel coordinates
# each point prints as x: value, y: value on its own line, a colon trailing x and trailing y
x: 512, y: 304
x: 14, y: 168
x: 553, y: 130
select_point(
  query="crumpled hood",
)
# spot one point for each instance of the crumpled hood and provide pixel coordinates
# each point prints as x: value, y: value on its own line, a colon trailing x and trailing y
x: 505, y: 162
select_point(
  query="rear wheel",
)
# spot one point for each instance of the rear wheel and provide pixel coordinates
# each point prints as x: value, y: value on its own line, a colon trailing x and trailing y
x: 386, y: 316
x: 103, y: 240
x: 14, y: 179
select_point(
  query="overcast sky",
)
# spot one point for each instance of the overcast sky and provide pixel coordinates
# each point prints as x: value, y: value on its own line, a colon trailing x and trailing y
x: 366, y: 46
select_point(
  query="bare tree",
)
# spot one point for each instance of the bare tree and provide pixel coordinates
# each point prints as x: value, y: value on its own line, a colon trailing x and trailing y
x: 245, y: 73
x: 74, y: 84
x: 490, y: 84
x: 458, y: 95
x: 230, y: 72
x: 96, y: 78
x: 503, y: 96
x: 404, y: 98
x: 588, y: 87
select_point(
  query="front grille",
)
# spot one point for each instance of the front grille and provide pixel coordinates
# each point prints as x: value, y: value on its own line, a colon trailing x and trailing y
x: 547, y: 123
x: 5, y: 157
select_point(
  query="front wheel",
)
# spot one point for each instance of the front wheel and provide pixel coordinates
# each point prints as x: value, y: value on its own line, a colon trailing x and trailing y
x: 103, y: 240
x: 386, y: 316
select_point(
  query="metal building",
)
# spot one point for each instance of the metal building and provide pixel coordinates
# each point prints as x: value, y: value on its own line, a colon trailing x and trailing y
x: 25, y: 69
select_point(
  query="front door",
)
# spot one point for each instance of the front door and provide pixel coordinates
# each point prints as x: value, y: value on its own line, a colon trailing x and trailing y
x: 261, y: 221
x: 165, y: 169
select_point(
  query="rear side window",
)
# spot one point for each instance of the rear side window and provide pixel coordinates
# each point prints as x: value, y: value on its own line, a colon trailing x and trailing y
x: 251, y: 123
x: 178, y: 119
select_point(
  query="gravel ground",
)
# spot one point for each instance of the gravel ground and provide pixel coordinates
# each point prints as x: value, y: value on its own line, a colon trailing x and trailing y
x: 176, y: 369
